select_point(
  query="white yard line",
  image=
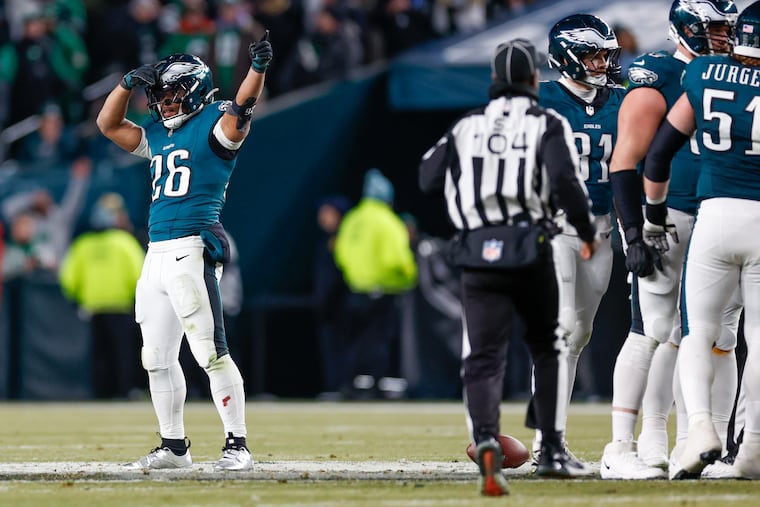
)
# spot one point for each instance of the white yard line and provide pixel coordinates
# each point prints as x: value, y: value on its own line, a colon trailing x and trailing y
x: 266, y: 470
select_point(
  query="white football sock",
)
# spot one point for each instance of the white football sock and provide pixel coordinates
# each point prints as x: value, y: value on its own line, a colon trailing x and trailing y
x: 696, y: 372
x: 751, y: 384
x: 167, y: 392
x: 723, y: 391
x: 227, y: 392
x: 682, y: 420
x: 629, y: 380
x: 658, y: 397
x: 623, y: 424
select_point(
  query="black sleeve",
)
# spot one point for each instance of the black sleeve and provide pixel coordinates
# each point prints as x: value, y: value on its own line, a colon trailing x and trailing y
x: 557, y: 156
x: 627, y: 192
x: 434, y: 164
x: 666, y: 143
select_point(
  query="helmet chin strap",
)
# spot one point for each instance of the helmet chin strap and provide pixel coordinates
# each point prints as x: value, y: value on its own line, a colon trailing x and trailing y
x: 180, y: 118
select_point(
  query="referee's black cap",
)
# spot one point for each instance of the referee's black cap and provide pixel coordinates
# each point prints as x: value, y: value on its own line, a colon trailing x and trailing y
x: 515, y: 62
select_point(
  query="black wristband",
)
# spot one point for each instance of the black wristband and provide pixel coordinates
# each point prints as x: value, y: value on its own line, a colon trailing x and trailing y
x: 628, y: 191
x: 633, y: 235
x: 657, y: 213
x: 244, y: 112
x: 246, y: 109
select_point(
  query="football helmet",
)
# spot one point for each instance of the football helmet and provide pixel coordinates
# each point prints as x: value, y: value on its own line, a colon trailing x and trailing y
x: 183, y: 79
x: 577, y: 37
x: 748, y: 32
x: 690, y: 22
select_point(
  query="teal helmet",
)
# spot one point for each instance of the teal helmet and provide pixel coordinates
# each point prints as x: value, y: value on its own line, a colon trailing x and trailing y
x: 190, y: 80
x: 690, y: 22
x: 748, y: 32
x: 575, y: 37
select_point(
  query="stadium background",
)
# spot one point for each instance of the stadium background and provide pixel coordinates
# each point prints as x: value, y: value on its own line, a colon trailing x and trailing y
x: 303, y: 146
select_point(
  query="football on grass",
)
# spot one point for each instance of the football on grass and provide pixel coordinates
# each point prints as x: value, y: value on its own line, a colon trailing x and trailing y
x: 515, y: 453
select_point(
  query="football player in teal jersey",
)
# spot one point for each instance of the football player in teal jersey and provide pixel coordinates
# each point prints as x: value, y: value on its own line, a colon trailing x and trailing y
x: 584, y: 49
x: 192, y: 144
x: 719, y: 103
x: 698, y: 27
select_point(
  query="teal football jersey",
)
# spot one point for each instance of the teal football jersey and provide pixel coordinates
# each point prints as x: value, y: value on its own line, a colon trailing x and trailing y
x: 189, y: 177
x: 595, y: 132
x: 725, y: 95
x: 663, y: 72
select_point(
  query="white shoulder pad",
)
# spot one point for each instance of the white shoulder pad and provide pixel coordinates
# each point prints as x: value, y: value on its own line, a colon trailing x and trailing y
x: 223, y: 140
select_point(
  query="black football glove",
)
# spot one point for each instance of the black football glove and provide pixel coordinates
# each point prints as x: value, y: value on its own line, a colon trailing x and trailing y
x: 640, y: 258
x: 261, y: 54
x: 144, y: 75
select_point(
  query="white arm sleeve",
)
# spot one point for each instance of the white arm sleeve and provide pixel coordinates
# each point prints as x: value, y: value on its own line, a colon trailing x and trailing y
x: 142, y: 150
x: 223, y: 140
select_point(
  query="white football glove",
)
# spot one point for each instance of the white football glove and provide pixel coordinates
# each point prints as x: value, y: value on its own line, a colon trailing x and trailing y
x: 657, y: 227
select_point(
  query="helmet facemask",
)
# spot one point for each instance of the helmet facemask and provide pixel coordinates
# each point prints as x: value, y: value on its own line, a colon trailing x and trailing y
x: 595, y: 68
x: 584, y: 48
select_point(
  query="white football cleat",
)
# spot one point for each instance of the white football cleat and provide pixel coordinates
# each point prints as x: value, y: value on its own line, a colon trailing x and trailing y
x: 702, y: 448
x: 234, y: 459
x: 621, y: 461
x: 747, y: 463
x: 719, y: 470
x: 161, y: 458
x: 653, y: 448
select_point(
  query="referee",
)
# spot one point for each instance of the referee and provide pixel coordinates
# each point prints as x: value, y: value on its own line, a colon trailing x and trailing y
x: 505, y: 170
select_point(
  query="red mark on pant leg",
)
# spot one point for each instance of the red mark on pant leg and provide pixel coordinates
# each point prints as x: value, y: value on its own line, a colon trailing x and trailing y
x: 226, y: 400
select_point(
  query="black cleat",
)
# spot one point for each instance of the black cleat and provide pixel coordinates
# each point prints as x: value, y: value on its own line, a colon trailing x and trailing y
x: 556, y: 462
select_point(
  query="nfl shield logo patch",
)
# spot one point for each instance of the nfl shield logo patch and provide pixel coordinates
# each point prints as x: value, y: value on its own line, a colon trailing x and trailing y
x: 492, y: 249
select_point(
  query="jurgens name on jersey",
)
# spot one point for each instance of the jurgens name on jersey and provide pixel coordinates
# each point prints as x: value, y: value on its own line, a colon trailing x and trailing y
x: 731, y: 73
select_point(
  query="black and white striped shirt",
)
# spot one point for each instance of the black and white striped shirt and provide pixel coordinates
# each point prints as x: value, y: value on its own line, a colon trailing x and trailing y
x: 508, y: 160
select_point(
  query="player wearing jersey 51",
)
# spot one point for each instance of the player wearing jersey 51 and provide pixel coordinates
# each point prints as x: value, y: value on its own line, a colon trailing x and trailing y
x: 646, y: 361
x: 192, y: 143
x: 720, y: 102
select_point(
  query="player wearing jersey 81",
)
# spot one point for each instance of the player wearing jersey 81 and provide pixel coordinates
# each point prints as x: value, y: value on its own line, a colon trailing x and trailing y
x: 719, y: 102
x: 585, y: 50
x: 192, y: 143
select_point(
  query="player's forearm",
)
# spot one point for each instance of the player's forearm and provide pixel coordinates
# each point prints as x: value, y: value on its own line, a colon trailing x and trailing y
x: 627, y: 190
x: 236, y: 123
x: 656, y: 191
x: 252, y: 86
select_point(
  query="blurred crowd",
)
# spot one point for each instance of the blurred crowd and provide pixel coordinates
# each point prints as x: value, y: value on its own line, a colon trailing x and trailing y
x: 59, y: 58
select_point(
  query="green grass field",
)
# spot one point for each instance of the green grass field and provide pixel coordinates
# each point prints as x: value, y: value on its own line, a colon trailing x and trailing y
x: 42, y: 439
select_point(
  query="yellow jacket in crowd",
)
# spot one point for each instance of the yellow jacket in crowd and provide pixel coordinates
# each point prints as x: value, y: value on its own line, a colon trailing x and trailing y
x: 101, y: 269
x: 372, y: 249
